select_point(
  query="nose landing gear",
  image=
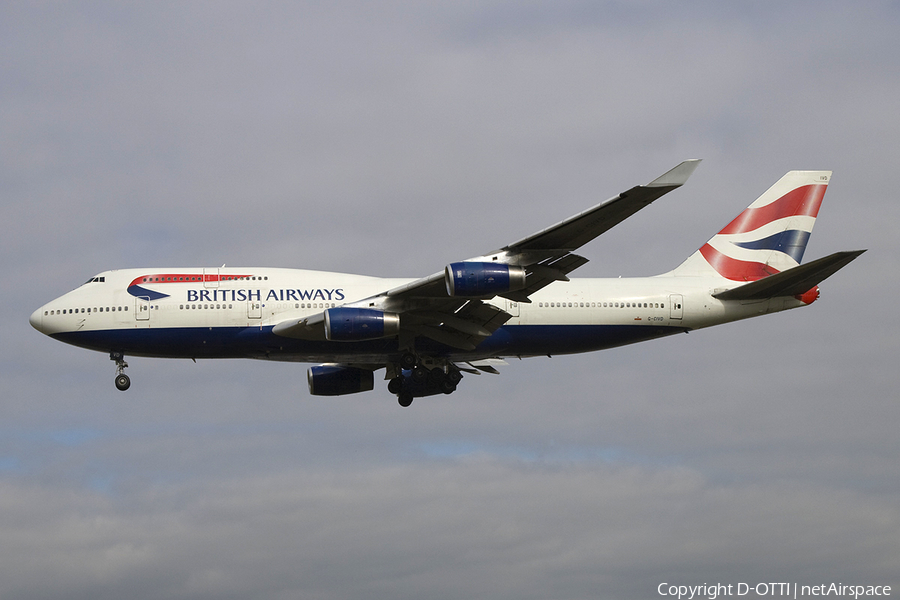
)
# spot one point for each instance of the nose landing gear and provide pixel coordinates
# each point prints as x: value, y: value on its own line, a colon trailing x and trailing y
x: 123, y: 381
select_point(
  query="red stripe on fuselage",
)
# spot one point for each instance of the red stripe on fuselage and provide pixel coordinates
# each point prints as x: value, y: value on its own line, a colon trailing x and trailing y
x: 182, y: 278
x: 803, y: 201
x: 734, y: 269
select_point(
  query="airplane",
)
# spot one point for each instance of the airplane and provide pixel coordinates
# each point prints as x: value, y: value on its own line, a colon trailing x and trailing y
x: 517, y: 301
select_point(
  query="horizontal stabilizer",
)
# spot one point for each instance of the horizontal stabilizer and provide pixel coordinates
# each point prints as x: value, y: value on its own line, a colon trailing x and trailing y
x: 792, y: 282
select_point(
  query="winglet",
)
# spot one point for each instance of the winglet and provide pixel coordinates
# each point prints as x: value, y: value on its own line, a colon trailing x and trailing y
x: 677, y: 176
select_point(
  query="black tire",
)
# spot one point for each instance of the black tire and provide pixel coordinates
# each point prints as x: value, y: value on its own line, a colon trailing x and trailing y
x: 405, y: 399
x: 395, y: 385
x: 408, y: 360
x: 447, y: 387
x: 454, y: 376
x: 420, y: 374
x: 436, y: 375
x: 123, y: 382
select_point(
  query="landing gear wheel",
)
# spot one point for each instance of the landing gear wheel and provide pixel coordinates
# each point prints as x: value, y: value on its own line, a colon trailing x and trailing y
x: 123, y: 382
x: 408, y: 360
x: 420, y: 374
x: 436, y: 375
x: 454, y: 376
x: 395, y: 385
x: 405, y: 399
x: 447, y: 386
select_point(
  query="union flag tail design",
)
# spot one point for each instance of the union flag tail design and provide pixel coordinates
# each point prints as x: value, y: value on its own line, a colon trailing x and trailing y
x: 769, y: 236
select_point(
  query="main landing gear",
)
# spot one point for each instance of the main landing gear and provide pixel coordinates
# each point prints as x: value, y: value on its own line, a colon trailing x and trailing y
x: 123, y: 381
x: 416, y: 379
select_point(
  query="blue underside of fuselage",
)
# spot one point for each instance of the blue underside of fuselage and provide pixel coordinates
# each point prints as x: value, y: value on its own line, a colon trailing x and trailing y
x: 260, y: 342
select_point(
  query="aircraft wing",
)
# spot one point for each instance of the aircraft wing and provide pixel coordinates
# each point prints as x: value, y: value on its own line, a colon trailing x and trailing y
x: 580, y: 229
x: 547, y: 255
x: 427, y: 307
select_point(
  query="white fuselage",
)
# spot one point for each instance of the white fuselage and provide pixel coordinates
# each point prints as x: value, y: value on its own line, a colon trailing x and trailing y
x: 219, y: 313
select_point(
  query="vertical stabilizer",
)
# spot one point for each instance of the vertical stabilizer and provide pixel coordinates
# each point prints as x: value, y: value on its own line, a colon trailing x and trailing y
x: 768, y: 237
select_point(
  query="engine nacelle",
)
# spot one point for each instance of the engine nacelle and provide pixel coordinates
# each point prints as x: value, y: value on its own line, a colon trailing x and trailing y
x: 477, y: 279
x: 355, y: 324
x: 335, y: 380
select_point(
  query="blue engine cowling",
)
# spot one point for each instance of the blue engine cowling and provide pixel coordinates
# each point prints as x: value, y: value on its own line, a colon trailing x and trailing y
x: 477, y: 279
x: 336, y: 380
x: 354, y: 324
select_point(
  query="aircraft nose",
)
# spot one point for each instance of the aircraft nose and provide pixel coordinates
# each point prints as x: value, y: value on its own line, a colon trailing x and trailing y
x: 37, y: 319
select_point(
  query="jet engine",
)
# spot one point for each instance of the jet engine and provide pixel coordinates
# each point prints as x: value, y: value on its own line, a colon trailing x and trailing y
x: 337, y: 380
x: 478, y: 279
x: 356, y: 324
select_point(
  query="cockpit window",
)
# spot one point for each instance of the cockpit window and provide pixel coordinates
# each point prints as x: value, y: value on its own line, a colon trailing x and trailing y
x: 95, y: 280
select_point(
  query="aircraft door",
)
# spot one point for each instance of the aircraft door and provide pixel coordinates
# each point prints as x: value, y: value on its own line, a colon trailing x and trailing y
x: 512, y: 308
x: 254, y: 309
x: 211, y: 278
x: 142, y: 308
x: 676, y: 308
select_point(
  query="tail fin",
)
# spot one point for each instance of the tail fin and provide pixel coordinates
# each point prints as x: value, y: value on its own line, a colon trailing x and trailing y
x: 768, y: 237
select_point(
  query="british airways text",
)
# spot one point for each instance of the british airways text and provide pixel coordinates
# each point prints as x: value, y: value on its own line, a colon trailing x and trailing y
x: 272, y: 295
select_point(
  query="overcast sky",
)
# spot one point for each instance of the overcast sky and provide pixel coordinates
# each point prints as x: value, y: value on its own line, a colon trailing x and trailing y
x: 392, y: 138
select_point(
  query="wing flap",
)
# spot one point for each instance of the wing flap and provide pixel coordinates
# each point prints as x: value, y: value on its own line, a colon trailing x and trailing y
x: 464, y: 329
x: 477, y: 367
x: 542, y: 274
